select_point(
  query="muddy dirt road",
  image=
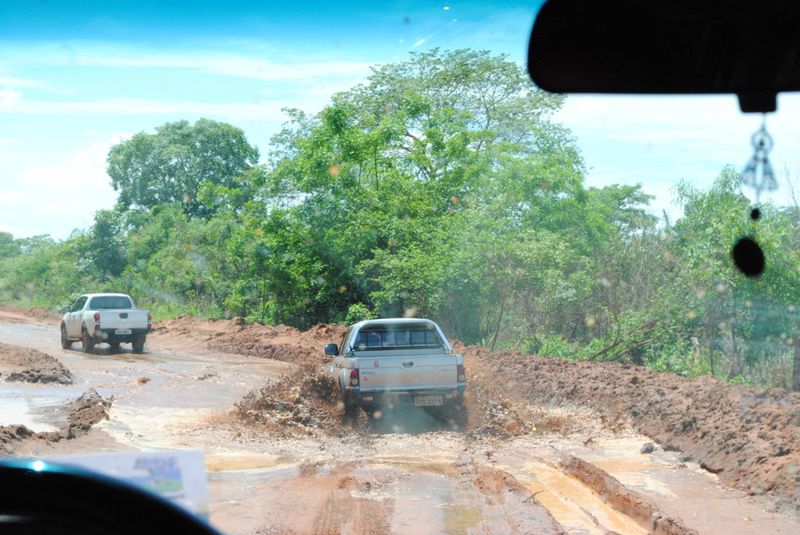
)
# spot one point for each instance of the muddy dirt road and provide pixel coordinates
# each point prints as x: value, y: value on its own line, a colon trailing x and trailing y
x: 523, y: 464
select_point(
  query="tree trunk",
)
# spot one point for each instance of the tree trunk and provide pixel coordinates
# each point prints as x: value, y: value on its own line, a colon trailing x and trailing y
x: 796, y: 368
x: 499, y: 319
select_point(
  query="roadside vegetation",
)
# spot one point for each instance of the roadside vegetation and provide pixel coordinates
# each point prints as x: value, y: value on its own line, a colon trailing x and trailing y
x: 442, y: 188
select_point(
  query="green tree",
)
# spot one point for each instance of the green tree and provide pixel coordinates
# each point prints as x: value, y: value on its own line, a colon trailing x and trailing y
x: 8, y: 246
x: 377, y: 180
x: 105, y: 248
x: 172, y: 165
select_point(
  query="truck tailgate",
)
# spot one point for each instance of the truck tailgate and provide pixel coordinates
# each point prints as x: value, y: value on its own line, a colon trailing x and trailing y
x: 414, y: 372
x: 123, y: 319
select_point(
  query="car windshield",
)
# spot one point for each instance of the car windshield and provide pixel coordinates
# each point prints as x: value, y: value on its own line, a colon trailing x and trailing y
x: 109, y: 302
x: 260, y: 178
x: 389, y: 337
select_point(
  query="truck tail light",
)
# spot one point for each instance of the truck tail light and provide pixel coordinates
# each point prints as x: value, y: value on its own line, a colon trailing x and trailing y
x: 149, y: 321
x: 97, y: 317
x: 353, y: 377
x: 461, y: 374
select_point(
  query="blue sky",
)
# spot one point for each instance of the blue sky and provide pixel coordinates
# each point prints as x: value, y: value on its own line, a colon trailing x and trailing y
x: 77, y: 77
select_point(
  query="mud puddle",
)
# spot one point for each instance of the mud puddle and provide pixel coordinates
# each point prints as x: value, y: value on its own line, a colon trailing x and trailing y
x: 27, y: 412
x: 679, y: 489
x: 378, y: 496
x: 684, y: 490
x: 236, y: 461
x: 576, y: 507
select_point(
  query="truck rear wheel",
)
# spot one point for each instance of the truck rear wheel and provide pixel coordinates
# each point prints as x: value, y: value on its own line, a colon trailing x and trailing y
x: 138, y: 344
x: 350, y: 410
x: 65, y: 342
x: 86, y: 340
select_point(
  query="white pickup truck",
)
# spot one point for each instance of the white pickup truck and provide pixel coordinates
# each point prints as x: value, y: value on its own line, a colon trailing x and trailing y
x: 105, y: 318
x: 389, y: 362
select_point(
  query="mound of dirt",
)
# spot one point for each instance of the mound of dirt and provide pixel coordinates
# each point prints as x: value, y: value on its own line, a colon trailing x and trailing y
x: 302, y: 402
x: 20, y: 314
x: 281, y: 342
x: 749, y: 436
x: 80, y: 415
x: 31, y: 366
x: 13, y: 433
x: 84, y: 412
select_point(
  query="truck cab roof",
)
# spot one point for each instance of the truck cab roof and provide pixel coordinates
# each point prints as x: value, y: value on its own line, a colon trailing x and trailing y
x: 402, y: 324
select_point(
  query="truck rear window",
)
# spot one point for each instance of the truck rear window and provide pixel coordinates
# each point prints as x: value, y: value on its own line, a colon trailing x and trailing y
x: 374, y: 339
x: 105, y: 302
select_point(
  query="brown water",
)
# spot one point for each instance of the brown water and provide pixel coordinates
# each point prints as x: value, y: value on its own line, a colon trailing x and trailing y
x: 576, y: 507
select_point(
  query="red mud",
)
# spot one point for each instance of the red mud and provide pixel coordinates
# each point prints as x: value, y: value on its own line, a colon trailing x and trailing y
x: 750, y: 437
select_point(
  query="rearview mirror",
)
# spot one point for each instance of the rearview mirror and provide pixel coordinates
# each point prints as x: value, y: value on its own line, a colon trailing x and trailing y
x: 668, y: 46
x: 331, y: 349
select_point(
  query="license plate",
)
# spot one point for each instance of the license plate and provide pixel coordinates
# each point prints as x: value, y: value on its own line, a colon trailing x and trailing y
x: 428, y: 401
x: 122, y: 331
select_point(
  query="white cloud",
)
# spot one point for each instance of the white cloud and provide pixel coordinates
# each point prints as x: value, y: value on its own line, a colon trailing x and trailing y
x: 59, y: 196
x: 233, y: 111
x: 10, y: 198
x: 696, y: 123
x: 308, y: 84
x: 659, y: 140
x: 9, y: 98
x: 10, y: 81
x: 241, y: 65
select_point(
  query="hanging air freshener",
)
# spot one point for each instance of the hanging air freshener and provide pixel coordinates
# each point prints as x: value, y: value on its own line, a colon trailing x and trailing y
x: 757, y: 174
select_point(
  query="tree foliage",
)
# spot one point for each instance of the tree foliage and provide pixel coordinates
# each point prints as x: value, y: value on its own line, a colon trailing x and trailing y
x: 441, y: 187
x: 172, y: 165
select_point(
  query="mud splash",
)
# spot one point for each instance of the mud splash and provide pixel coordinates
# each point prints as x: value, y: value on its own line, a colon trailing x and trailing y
x: 303, y: 401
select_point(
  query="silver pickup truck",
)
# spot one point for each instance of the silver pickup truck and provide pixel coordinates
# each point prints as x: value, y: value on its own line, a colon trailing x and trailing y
x: 389, y: 362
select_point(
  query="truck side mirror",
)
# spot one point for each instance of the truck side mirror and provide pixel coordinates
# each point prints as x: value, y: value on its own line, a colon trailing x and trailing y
x: 331, y: 349
x: 64, y: 310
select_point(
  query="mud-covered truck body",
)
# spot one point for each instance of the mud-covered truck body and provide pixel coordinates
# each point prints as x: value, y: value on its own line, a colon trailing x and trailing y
x: 105, y: 318
x: 399, y: 361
